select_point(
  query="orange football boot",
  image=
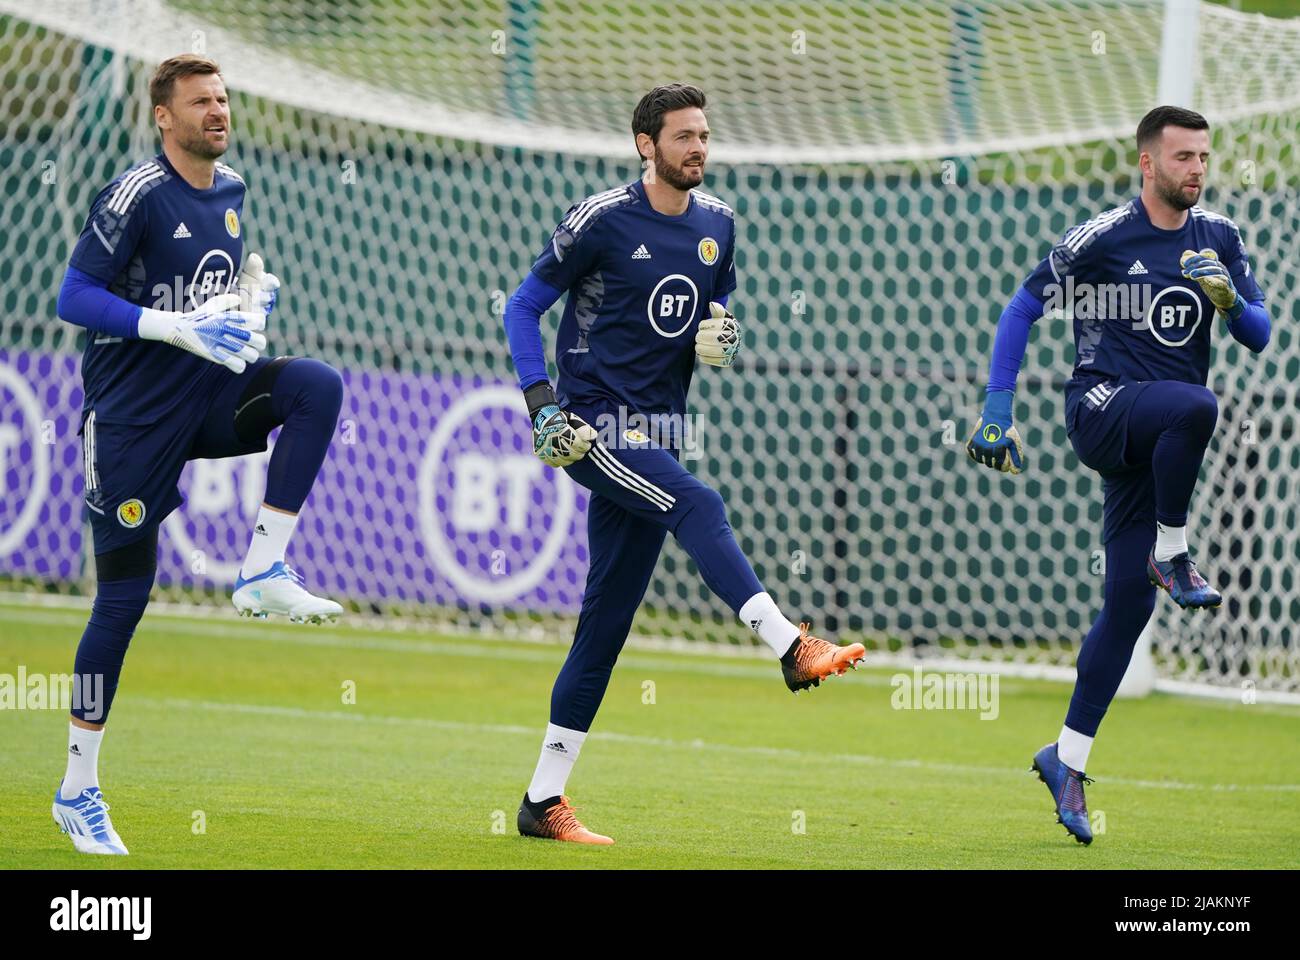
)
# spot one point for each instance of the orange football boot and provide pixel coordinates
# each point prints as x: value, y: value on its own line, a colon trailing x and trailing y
x: 554, y: 819
x: 811, y: 660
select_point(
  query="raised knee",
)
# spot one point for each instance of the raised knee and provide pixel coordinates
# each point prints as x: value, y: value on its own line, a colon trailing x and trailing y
x: 1202, y: 409
x: 706, y: 504
x: 322, y: 383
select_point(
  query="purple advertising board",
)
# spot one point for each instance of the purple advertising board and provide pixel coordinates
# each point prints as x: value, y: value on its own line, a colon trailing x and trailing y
x: 430, y: 495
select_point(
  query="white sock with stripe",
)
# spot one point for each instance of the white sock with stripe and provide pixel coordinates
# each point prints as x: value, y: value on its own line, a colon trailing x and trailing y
x: 83, y: 760
x: 1073, y: 748
x: 1170, y: 541
x: 760, y: 614
x: 560, y: 749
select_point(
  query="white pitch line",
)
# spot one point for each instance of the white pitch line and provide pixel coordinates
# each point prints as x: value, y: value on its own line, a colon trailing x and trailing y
x: 747, y: 750
x: 489, y: 648
x: 309, y: 636
x: 44, y: 605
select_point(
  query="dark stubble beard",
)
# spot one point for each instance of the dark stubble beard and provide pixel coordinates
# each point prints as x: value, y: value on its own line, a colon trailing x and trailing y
x: 675, y: 177
x: 195, y: 141
x: 1171, y: 192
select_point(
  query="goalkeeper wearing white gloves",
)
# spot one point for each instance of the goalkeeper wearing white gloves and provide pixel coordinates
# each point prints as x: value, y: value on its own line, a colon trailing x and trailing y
x: 173, y: 371
x: 218, y: 331
x: 648, y: 267
x: 225, y: 329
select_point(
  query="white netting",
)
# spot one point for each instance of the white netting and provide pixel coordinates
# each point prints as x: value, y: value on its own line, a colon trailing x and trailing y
x: 804, y: 82
x: 896, y: 170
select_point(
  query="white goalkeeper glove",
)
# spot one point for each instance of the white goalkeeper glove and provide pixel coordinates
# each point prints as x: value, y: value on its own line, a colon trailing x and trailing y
x: 258, y: 290
x: 217, y: 331
x: 718, y: 340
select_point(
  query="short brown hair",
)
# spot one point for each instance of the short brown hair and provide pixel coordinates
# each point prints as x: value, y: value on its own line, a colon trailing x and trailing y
x: 169, y: 71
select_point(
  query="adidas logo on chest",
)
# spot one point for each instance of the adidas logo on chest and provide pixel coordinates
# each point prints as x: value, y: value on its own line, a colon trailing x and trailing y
x: 182, y: 232
x: 641, y: 253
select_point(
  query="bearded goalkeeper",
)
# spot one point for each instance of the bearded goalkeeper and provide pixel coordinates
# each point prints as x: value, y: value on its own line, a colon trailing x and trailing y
x: 648, y: 268
x: 1137, y: 409
x: 173, y: 372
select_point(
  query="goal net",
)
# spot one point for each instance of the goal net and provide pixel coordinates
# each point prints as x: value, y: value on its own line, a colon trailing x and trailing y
x: 896, y: 170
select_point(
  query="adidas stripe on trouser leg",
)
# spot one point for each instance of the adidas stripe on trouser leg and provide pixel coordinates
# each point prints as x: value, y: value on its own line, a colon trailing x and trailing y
x: 649, y: 482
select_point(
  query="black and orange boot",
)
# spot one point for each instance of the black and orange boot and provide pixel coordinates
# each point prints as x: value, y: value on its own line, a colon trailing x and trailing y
x: 811, y: 660
x: 554, y: 819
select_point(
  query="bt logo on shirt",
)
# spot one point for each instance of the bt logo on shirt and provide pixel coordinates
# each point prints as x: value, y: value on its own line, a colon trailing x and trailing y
x: 1174, y: 316
x: 672, y: 305
x: 213, y: 276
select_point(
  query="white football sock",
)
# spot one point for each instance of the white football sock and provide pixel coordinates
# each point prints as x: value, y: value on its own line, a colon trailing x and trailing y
x: 1170, y: 541
x: 1073, y: 747
x: 761, y: 615
x: 83, y: 760
x: 560, y: 749
x: 271, y: 535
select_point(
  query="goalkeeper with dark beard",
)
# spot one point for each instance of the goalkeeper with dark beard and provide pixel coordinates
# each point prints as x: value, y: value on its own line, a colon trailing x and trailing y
x: 1137, y: 409
x: 648, y: 267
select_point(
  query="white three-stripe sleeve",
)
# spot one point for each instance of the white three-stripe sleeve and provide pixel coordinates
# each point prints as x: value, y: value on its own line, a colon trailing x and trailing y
x: 130, y: 186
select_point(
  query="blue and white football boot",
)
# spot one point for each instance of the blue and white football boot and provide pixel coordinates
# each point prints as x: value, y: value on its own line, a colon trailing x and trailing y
x: 279, y: 590
x: 1067, y: 792
x: 85, y: 819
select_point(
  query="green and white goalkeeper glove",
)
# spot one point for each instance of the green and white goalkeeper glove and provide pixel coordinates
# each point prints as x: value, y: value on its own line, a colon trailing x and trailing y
x: 218, y: 331
x: 718, y: 340
x: 560, y: 438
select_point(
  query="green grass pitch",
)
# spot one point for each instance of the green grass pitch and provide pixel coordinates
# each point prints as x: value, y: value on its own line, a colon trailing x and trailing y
x: 246, y: 723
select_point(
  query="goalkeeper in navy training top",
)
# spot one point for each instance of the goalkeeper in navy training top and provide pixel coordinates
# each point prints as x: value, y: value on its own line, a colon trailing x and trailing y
x: 648, y: 268
x: 1145, y: 282
x: 173, y: 372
